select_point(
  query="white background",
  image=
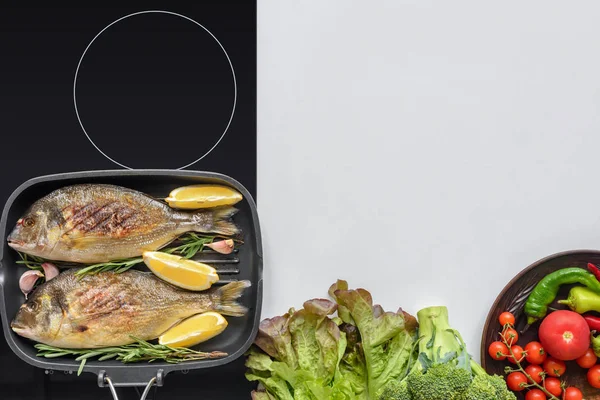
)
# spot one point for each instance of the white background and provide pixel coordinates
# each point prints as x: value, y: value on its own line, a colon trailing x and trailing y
x: 424, y: 150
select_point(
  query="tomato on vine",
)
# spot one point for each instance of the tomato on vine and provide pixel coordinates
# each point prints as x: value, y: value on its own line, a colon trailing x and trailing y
x: 553, y: 386
x: 517, y: 354
x: 507, y: 318
x: 588, y: 359
x: 535, y: 372
x: 511, y: 336
x: 535, y: 394
x: 498, y: 351
x: 535, y: 353
x: 593, y: 376
x: 572, y: 393
x: 554, y: 367
x: 516, y: 381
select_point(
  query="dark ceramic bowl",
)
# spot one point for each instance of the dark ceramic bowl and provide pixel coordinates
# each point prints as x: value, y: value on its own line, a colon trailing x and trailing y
x: 512, y: 298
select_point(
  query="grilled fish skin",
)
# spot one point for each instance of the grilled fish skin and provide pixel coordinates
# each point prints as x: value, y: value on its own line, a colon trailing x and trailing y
x: 95, y: 223
x: 104, y: 309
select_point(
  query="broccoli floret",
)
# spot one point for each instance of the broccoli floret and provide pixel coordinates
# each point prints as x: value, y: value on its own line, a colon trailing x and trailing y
x: 445, y: 370
x: 438, y: 342
x: 439, y: 382
x: 487, y: 387
x: 396, y: 390
x: 480, y: 389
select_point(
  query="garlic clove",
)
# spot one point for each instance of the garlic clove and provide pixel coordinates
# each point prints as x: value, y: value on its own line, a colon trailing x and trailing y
x: 50, y: 270
x: 222, y: 246
x: 28, y: 280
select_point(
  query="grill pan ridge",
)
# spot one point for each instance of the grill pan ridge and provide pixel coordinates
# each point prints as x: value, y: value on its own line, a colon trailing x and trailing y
x: 245, y: 264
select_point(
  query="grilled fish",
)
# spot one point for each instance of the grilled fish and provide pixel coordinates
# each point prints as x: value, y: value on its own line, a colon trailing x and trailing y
x: 95, y: 223
x: 104, y: 309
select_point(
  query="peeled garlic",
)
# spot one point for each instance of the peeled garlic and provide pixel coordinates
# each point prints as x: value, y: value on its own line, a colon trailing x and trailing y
x: 28, y: 280
x: 222, y: 246
x: 50, y: 270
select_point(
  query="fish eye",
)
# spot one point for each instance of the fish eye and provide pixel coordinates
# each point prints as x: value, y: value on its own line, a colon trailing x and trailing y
x: 28, y: 222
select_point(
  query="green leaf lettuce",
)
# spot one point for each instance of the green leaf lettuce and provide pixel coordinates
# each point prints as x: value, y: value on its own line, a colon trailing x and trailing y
x: 311, y: 354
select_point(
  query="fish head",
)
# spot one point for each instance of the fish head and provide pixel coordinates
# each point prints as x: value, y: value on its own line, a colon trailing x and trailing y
x: 36, y: 232
x: 40, y: 318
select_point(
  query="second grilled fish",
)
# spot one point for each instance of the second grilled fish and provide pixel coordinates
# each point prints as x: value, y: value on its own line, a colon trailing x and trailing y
x: 105, y: 309
x: 95, y: 223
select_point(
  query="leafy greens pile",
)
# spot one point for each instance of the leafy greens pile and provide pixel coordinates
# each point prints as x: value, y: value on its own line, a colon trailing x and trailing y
x: 365, y: 353
x: 309, y: 354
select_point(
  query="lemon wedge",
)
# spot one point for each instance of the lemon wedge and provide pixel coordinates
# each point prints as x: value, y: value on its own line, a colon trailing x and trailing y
x: 203, y: 196
x: 180, y: 271
x: 194, y: 330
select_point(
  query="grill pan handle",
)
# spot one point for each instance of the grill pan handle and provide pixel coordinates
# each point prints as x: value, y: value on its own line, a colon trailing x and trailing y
x: 104, y: 380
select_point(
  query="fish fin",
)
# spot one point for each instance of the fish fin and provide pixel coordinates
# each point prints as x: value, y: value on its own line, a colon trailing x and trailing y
x: 222, y: 221
x: 83, y: 320
x: 227, y: 295
x: 83, y: 242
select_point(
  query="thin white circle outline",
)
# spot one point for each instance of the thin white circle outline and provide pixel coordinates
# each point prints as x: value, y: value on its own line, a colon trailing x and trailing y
x: 159, y: 12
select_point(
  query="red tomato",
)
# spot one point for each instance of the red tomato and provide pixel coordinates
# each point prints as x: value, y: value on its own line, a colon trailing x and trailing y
x: 535, y: 372
x: 506, y: 318
x: 572, y: 393
x: 565, y: 335
x: 554, y: 367
x: 535, y: 394
x: 518, y: 354
x: 587, y: 360
x: 593, y: 376
x: 511, y: 336
x: 552, y: 385
x: 535, y: 353
x: 498, y: 351
x: 516, y: 380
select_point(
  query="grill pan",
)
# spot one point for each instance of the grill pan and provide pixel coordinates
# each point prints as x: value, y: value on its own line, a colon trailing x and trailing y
x: 245, y: 264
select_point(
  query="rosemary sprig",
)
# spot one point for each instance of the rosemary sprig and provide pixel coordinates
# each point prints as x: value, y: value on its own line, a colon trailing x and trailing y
x: 32, y: 262
x: 116, y: 266
x: 192, y: 244
x: 140, y: 350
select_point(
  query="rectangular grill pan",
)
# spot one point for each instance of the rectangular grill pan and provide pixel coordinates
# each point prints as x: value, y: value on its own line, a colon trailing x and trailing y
x: 245, y: 264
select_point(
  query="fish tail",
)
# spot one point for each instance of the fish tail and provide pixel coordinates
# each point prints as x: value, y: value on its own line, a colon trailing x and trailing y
x: 222, y: 223
x: 226, y: 299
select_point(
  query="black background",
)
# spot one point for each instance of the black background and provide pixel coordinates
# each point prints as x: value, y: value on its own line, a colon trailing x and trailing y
x: 152, y: 92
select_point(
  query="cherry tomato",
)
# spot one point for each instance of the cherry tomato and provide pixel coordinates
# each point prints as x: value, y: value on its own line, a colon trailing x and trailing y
x: 587, y: 360
x: 535, y: 394
x: 572, y: 393
x: 565, y: 335
x: 554, y: 367
x: 552, y: 385
x: 498, y: 351
x: 511, y: 336
x: 506, y: 318
x: 518, y: 354
x: 516, y: 381
x: 535, y: 353
x: 535, y: 372
x: 593, y: 376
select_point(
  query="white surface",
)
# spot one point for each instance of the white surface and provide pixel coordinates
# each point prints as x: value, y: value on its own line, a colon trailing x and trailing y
x: 464, y: 134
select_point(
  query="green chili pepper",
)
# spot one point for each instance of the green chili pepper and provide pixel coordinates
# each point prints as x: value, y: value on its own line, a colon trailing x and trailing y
x: 595, y: 343
x: 545, y: 291
x: 582, y: 299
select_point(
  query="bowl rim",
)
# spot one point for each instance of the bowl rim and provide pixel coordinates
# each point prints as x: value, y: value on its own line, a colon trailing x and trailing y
x: 136, y: 374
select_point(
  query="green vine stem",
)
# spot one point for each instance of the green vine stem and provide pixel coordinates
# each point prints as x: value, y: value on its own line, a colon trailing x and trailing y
x: 522, y: 370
